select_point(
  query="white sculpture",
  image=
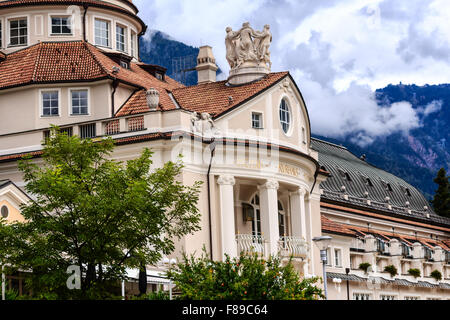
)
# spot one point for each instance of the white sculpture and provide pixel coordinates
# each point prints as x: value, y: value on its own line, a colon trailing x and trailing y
x: 248, y: 47
x: 203, y: 124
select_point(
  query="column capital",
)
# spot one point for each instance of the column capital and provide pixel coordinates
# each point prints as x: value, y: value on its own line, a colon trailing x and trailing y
x: 226, y: 179
x: 299, y: 192
x: 270, y: 184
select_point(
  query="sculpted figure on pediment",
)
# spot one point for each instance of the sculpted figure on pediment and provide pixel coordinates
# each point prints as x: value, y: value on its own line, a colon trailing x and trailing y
x: 248, y: 47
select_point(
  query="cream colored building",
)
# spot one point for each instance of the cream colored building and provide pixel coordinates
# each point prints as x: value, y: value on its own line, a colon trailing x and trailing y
x: 76, y: 64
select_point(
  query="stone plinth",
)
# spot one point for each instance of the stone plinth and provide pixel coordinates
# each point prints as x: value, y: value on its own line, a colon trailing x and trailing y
x: 247, y: 74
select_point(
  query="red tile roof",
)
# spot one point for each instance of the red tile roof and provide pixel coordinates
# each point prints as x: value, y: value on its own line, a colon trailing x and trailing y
x: 335, y: 227
x: 49, y: 62
x: 214, y: 98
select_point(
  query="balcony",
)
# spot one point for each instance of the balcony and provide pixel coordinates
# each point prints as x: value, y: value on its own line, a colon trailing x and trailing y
x: 295, y: 247
x: 288, y: 246
x: 249, y: 244
x: 358, y: 245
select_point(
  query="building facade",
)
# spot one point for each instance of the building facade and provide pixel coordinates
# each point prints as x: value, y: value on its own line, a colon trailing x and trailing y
x: 267, y: 187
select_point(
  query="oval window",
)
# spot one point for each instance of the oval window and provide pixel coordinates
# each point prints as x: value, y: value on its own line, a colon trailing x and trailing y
x: 5, y: 212
x: 285, y: 116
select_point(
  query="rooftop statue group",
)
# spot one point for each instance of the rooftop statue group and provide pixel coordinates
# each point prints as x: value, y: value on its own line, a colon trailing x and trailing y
x: 248, y: 47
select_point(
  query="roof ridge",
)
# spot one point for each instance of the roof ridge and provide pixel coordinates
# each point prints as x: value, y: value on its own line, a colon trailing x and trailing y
x: 36, y: 62
x: 89, y: 49
x: 329, y: 143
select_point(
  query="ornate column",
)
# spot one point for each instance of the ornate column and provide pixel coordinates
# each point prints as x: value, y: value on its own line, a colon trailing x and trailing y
x: 269, y: 214
x: 228, y: 236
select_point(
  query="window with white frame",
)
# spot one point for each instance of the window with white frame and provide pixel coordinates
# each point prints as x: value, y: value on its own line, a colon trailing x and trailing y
x: 133, y: 44
x: 257, y: 120
x: 361, y: 296
x: 387, y: 297
x: 285, y: 116
x: 18, y: 32
x: 79, y: 102
x: 102, y: 32
x: 121, y: 38
x: 50, y: 103
x: 61, y: 25
x: 337, y: 257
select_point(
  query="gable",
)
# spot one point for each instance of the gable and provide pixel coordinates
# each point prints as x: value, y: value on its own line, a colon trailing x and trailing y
x: 266, y: 104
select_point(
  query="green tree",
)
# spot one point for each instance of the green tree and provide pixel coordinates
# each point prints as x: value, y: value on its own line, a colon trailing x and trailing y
x: 243, y: 278
x: 95, y: 213
x: 441, y: 200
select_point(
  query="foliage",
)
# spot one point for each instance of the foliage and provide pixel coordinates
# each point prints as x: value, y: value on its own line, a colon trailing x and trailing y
x: 158, y: 295
x: 101, y: 215
x: 365, y: 266
x: 414, y: 272
x: 243, y: 278
x: 391, y: 269
x: 441, y: 200
x: 437, y: 275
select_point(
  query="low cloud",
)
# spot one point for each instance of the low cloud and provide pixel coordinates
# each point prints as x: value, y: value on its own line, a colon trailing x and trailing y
x: 339, y: 52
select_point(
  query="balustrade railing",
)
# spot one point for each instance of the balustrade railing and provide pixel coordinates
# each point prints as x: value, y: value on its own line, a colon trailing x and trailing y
x: 251, y: 244
x: 290, y: 246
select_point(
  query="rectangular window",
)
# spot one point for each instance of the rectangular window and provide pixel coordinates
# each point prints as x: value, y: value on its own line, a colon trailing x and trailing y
x: 50, y: 103
x: 61, y: 25
x: 337, y: 258
x: 88, y: 131
x: 18, y: 32
x: 79, y: 102
x: 101, y: 32
x: 257, y: 120
x: 361, y: 296
x: 387, y: 297
x: 121, y: 38
x: 411, y: 298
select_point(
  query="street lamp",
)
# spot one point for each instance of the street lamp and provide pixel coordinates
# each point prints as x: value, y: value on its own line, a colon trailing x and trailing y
x: 323, y: 243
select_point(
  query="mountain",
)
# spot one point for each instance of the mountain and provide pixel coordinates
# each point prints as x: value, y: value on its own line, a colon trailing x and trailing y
x: 160, y: 49
x: 415, y: 157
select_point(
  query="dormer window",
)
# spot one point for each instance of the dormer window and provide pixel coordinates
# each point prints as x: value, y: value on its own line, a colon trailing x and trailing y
x: 345, y: 175
x: 387, y: 186
x: 124, y: 65
x: 61, y: 25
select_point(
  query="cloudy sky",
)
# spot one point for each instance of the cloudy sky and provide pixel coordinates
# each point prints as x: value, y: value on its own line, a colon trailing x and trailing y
x: 338, y: 51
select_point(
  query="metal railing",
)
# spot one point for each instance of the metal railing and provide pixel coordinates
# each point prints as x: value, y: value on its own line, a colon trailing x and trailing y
x: 290, y: 246
x: 251, y: 244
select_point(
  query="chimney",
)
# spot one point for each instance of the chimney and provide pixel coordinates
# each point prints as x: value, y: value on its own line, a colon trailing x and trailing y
x: 206, y: 65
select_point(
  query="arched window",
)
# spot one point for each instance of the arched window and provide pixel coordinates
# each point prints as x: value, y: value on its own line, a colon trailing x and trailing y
x: 4, y: 212
x: 281, y: 220
x: 285, y: 116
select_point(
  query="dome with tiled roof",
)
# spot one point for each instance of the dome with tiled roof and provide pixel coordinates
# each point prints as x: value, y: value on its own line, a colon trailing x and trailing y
x: 112, y: 25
